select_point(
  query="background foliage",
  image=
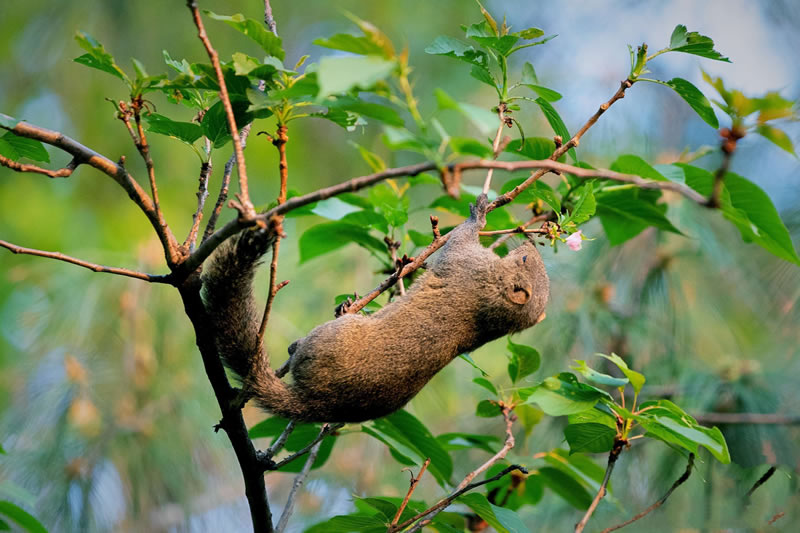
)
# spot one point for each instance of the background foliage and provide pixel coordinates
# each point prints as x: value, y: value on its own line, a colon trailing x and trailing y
x: 103, y: 397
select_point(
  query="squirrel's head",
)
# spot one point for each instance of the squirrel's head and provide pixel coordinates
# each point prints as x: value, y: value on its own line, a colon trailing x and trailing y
x: 525, y: 285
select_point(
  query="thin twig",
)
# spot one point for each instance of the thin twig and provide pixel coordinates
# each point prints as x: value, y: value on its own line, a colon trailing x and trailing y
x: 729, y: 139
x: 144, y: 150
x: 443, y: 503
x: 503, y: 238
x: 85, y: 155
x: 465, y: 484
x: 518, y: 229
x: 281, y: 440
x: 202, y: 194
x: 22, y: 167
x: 613, y: 455
x: 269, y: 20
x: 273, y: 290
x: 412, y: 485
x: 244, y: 206
x: 501, y: 109
x: 763, y: 479
x: 678, y: 482
x: 298, y: 482
x: 85, y: 264
x: 775, y: 518
x: 326, y: 430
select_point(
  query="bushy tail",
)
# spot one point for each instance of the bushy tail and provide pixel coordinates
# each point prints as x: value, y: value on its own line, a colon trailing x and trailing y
x: 228, y: 297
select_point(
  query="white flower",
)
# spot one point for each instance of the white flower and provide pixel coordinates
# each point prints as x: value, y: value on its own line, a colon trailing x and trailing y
x: 575, y: 241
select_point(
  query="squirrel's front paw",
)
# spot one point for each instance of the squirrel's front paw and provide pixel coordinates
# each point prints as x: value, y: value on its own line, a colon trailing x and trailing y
x: 479, y: 210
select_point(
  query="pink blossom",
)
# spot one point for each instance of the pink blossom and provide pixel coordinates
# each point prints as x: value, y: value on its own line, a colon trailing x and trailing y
x: 575, y: 241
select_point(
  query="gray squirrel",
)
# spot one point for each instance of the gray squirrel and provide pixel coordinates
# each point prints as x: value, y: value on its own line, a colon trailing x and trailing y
x: 361, y: 367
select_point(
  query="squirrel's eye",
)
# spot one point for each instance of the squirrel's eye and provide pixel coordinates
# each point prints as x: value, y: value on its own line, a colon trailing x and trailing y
x: 524, y: 258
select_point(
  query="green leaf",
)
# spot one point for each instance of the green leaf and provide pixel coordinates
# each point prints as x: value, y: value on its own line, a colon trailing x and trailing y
x: 333, y: 208
x: 694, y: 43
x: 349, y: 523
x: 402, y: 426
x: 776, y: 136
x: 467, y: 146
x: 684, y: 431
x: 749, y: 208
x: 597, y: 377
x: 695, y: 99
x: 187, y: 132
x: 633, y: 164
x: 402, y: 139
x: 466, y: 441
x: 384, y: 506
x: 341, y: 74
x: 255, y: 30
x: 15, y: 147
x: 487, y: 409
x: 482, y: 74
x: 97, y: 57
x: 486, y: 384
x: 529, y: 74
x: 548, y: 94
x: 528, y: 416
x: 420, y: 239
x: 538, y: 190
x: 562, y: 395
x: 466, y: 357
x: 598, y: 415
x: 383, y: 113
x: 534, y: 148
x: 555, y: 121
x: 450, y: 47
x: 351, y: 43
x: 625, y: 213
x: 523, y: 361
x: 636, y: 379
x: 530, y: 33
x: 482, y: 118
x: 325, y: 238
x: 585, y: 207
x: 391, y: 205
x: 25, y: 520
x: 501, y: 519
x: 566, y: 486
x: 502, y: 44
x: 589, y: 438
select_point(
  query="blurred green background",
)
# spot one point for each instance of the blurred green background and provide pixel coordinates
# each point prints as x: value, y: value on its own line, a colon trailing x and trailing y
x: 106, y: 413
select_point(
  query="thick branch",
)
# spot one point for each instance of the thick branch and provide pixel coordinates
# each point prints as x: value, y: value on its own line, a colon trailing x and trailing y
x: 678, y: 482
x: 85, y: 155
x: 85, y: 264
x: 245, y: 207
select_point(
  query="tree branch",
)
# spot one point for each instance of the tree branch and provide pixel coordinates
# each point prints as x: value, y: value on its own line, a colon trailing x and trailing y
x: 153, y: 278
x: 678, y: 482
x: 412, y: 485
x: 21, y: 167
x: 84, y: 155
x: 327, y: 429
x: 763, y: 479
x: 613, y: 455
x: 244, y: 206
x: 298, y: 482
x: 202, y: 194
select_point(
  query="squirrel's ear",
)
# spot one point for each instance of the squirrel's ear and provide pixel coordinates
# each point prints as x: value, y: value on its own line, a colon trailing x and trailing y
x: 519, y: 292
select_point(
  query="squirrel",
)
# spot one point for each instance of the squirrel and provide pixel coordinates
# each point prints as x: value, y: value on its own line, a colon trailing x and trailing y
x: 360, y: 367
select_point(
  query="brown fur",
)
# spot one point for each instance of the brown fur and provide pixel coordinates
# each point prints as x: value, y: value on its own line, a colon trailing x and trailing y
x: 357, y: 367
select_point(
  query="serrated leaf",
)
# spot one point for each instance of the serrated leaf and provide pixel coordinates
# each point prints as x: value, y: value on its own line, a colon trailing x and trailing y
x: 633, y: 164
x: 597, y: 377
x: 626, y: 213
x: 776, y: 136
x: 585, y: 207
x: 255, y: 30
x: 15, y: 147
x: 749, y: 208
x: 501, y: 44
x: 555, y: 121
x: 467, y: 146
x: 97, y: 57
x: 450, y: 47
x: 636, y: 379
x: 187, y: 132
x: 548, y: 94
x: 694, y: 43
x: 523, y: 361
x: 563, y: 395
x: 696, y: 100
x: 501, y: 519
x: 589, y: 438
x: 341, y: 74
x: 324, y: 238
x: 404, y: 427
